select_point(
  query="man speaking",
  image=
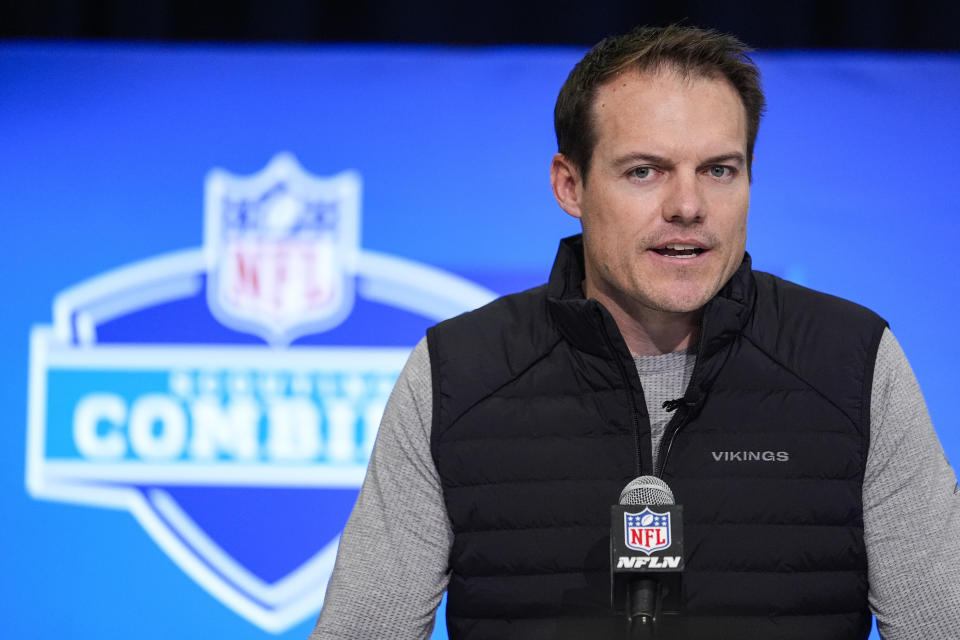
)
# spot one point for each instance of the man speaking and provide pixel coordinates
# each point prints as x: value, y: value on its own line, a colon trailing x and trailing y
x: 787, y: 423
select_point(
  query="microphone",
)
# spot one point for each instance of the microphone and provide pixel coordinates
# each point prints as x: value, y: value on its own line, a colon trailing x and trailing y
x: 646, y: 551
x: 647, y: 490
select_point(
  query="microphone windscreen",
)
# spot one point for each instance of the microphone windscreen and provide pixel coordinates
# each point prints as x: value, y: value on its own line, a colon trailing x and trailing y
x: 646, y: 490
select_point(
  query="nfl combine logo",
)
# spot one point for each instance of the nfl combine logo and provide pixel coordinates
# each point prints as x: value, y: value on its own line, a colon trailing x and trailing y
x: 647, y: 531
x: 219, y: 393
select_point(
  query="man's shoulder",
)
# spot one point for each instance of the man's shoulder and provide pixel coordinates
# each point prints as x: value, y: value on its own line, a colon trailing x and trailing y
x: 806, y: 330
x: 794, y: 302
x: 498, y: 341
x: 523, y: 313
x: 507, y: 309
x: 828, y: 342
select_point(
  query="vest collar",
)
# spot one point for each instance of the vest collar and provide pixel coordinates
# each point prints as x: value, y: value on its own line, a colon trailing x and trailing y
x: 583, y: 322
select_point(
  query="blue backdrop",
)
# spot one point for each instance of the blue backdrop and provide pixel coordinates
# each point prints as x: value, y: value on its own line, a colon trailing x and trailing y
x: 114, y: 528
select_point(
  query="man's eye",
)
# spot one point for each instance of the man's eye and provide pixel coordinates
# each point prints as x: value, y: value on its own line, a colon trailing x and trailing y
x: 721, y: 172
x: 642, y: 172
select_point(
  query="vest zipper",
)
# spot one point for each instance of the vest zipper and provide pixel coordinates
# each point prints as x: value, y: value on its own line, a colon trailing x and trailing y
x: 635, y: 413
x: 673, y: 427
x: 679, y: 420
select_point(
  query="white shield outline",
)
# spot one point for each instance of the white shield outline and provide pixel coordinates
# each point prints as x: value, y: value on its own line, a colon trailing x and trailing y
x: 344, y: 188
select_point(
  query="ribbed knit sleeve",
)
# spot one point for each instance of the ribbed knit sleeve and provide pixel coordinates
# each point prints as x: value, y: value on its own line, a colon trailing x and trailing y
x: 911, y: 510
x: 391, y: 569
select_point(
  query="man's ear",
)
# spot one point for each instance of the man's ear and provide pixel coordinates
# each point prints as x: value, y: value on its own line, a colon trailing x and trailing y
x: 567, y: 184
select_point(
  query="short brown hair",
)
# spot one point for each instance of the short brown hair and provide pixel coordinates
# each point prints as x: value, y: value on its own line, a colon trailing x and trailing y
x: 688, y: 50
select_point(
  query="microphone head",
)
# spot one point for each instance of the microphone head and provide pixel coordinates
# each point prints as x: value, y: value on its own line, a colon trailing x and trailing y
x: 646, y: 490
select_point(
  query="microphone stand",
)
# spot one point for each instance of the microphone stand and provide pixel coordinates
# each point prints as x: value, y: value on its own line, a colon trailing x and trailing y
x: 644, y: 606
x: 641, y: 628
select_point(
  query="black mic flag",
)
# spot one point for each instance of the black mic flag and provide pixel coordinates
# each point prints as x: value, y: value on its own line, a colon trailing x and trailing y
x: 646, y: 551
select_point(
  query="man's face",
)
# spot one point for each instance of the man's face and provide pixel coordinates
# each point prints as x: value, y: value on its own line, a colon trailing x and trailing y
x: 664, y: 208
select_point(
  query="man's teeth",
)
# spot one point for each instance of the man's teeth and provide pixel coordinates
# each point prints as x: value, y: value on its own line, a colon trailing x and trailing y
x: 680, y: 251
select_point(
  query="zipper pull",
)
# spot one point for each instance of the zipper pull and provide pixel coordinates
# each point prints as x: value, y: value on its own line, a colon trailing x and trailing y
x: 673, y: 405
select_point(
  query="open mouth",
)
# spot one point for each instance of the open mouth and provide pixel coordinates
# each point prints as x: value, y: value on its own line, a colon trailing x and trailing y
x: 679, y: 251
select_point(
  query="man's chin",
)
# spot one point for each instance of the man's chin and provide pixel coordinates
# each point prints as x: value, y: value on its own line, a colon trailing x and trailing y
x: 680, y: 302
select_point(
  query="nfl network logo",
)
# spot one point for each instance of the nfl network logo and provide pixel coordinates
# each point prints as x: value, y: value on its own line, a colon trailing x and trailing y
x: 153, y: 391
x: 647, y: 531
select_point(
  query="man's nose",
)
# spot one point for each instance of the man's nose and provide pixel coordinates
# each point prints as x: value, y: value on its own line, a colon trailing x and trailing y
x: 684, y: 202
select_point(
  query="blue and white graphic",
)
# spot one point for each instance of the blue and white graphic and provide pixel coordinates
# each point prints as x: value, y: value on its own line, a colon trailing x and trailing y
x: 139, y: 400
x: 647, y: 531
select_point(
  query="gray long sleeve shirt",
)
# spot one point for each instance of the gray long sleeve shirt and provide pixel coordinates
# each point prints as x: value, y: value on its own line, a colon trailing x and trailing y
x: 400, y: 513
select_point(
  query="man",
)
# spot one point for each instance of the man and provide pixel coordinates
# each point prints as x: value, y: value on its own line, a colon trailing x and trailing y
x: 787, y: 422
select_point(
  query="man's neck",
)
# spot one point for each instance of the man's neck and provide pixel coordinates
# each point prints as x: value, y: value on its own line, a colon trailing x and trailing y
x: 649, y: 332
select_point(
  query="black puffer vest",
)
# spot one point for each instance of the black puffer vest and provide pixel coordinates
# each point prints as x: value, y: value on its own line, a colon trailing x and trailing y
x: 540, y: 420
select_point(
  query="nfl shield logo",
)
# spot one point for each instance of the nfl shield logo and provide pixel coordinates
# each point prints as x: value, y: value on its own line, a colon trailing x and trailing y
x: 647, y: 531
x: 281, y: 249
